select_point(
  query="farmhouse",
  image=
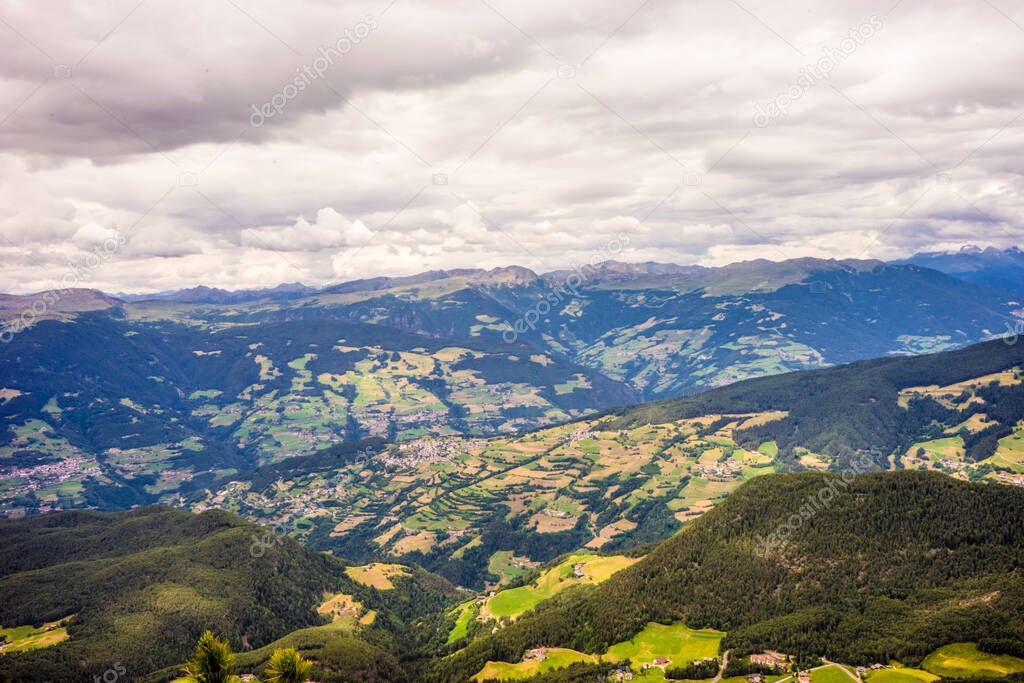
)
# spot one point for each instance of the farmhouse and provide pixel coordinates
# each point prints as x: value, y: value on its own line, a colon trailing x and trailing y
x: 659, y: 662
x: 803, y: 677
x: 536, y: 655
x: 577, y: 570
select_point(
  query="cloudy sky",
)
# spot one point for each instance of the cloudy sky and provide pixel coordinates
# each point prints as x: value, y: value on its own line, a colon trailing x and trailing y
x: 152, y: 145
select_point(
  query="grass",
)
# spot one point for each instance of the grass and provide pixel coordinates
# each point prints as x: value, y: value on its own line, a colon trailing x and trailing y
x: 467, y: 612
x: 24, y: 638
x: 340, y: 607
x: 516, y: 601
x: 964, y: 660
x: 503, y: 563
x: 677, y: 643
x: 377, y: 575
x: 558, y: 658
x: 900, y: 675
x: 830, y: 674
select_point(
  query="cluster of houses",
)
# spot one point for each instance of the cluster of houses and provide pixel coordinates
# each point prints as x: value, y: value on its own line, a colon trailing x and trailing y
x: 24, y: 480
x: 780, y: 662
x: 426, y: 451
x: 729, y: 469
x: 770, y: 659
x: 581, y: 434
x: 1010, y: 478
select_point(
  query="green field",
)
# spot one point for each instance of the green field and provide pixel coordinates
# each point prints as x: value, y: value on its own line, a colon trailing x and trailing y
x: 23, y: 638
x: 963, y: 660
x: 677, y: 643
x: 504, y: 564
x: 900, y: 675
x: 830, y: 674
x: 466, y: 613
x: 557, y: 658
x: 516, y: 601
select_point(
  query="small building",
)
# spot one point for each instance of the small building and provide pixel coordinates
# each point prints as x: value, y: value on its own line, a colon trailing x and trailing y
x: 659, y: 662
x: 803, y: 677
x: 754, y: 678
x: 861, y: 670
x: 538, y: 654
x: 577, y: 570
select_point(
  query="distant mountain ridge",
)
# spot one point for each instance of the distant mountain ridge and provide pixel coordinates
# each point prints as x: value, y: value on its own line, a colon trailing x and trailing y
x: 1001, y: 269
x: 991, y: 267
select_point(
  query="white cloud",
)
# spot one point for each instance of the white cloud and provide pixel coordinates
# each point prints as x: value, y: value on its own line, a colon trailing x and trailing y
x: 651, y: 135
x: 329, y: 230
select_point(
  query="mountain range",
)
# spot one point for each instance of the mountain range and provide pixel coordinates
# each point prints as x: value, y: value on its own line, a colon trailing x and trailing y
x: 110, y: 403
x: 384, y: 479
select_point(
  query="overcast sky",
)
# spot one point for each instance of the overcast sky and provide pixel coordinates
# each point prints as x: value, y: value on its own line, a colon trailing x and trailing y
x: 153, y: 145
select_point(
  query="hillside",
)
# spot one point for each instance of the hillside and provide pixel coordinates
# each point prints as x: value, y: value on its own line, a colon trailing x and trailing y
x: 139, y: 587
x: 884, y: 405
x: 110, y: 413
x: 886, y: 566
x: 483, y: 511
x: 112, y: 403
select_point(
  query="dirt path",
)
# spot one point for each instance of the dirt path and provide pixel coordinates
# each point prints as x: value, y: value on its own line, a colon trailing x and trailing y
x: 721, y: 669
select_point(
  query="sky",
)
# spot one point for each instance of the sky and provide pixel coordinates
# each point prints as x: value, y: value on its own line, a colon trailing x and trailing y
x: 158, y: 144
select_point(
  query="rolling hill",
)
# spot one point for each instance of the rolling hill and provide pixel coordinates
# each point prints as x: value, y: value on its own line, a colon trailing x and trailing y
x: 139, y: 587
x: 483, y: 511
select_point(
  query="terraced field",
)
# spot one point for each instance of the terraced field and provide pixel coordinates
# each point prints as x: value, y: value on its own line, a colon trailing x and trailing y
x: 437, y: 496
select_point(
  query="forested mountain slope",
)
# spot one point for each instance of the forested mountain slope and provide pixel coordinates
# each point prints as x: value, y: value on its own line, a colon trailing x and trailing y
x: 880, y: 566
x: 468, y: 508
x: 139, y: 587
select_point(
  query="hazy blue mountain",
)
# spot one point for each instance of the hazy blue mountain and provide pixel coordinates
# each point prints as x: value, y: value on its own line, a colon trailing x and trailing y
x: 989, y: 267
